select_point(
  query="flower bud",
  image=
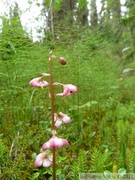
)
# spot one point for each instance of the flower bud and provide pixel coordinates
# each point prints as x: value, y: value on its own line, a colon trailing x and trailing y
x: 62, y: 60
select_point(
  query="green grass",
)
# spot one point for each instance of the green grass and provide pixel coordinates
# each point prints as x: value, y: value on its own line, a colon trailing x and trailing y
x: 101, y: 134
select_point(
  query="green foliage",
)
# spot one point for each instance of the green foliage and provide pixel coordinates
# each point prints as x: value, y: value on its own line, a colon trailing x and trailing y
x: 122, y: 130
x: 2, y: 151
x: 75, y: 171
x: 79, y: 166
x: 82, y: 4
x: 100, y: 160
x: 13, y: 38
x: 56, y: 4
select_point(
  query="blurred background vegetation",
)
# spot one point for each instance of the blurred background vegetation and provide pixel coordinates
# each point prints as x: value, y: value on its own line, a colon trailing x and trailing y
x: 100, y: 52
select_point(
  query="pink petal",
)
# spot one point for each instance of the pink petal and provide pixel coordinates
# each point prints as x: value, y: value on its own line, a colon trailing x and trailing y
x: 72, y: 88
x: 68, y: 90
x: 43, y: 159
x: 47, y: 163
x: 43, y: 83
x: 57, y: 120
x: 54, y: 142
x: 65, y: 92
x: 38, y: 82
x: 60, y: 142
x: 58, y: 123
x: 48, y: 145
x: 38, y: 162
x: 39, y: 159
x: 66, y: 119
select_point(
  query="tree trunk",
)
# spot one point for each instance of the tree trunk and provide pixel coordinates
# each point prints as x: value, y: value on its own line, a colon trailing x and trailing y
x: 94, y: 15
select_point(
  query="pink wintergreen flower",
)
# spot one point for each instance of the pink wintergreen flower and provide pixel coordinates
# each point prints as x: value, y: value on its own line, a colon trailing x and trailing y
x: 61, y: 118
x: 39, y: 81
x: 54, y: 142
x: 43, y: 159
x: 57, y: 121
x: 68, y: 89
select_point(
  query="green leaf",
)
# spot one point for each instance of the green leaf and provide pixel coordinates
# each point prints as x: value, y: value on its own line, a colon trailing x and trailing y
x: 125, y: 49
x: 82, y: 4
x: 61, y: 159
x: 58, y: 172
x: 35, y: 175
x: 34, y: 155
x: 92, y: 134
x: 88, y: 104
x: 127, y: 70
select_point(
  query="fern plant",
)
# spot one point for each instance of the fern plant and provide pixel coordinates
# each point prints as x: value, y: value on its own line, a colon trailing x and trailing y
x: 122, y: 137
x: 130, y: 159
x: 79, y: 166
x: 82, y: 167
x: 74, y: 173
x: 100, y: 160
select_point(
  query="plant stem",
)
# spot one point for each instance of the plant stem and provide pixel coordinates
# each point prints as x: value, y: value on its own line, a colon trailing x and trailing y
x: 54, y: 165
x: 52, y: 114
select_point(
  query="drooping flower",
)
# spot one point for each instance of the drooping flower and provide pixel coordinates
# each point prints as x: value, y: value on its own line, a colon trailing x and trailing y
x: 61, y: 118
x: 68, y: 89
x: 57, y: 121
x: 43, y: 159
x: 54, y: 142
x: 39, y: 81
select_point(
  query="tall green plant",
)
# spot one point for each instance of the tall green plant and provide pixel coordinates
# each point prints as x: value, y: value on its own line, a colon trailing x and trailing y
x: 122, y: 136
x: 100, y: 160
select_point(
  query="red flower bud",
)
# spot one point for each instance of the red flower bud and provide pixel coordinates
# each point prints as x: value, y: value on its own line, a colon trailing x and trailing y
x: 62, y: 60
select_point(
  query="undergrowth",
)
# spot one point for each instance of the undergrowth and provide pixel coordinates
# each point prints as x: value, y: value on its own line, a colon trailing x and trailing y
x: 102, y: 132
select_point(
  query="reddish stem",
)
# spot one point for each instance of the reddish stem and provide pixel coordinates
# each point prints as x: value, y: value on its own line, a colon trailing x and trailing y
x: 52, y: 114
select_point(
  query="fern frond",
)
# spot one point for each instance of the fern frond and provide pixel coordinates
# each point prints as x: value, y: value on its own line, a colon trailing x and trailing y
x: 79, y: 166
x: 82, y: 161
x: 131, y: 160
x: 74, y: 173
x: 1, y: 151
x: 100, y: 160
x: 123, y: 129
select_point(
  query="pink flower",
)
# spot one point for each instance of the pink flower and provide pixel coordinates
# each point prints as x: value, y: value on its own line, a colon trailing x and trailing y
x: 39, y: 81
x: 54, y: 142
x: 68, y: 89
x: 43, y: 159
x: 61, y: 118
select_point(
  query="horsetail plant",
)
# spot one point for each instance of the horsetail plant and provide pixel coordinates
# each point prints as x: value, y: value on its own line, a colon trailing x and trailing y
x: 45, y: 159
